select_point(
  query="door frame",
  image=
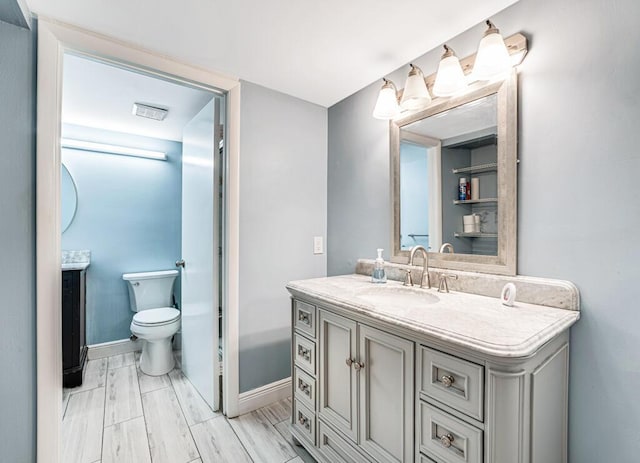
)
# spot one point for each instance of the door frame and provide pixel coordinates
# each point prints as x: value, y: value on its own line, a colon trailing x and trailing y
x: 54, y: 39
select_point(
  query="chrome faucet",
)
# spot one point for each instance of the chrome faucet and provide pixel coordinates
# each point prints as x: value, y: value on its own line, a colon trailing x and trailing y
x: 425, y: 267
x: 446, y: 246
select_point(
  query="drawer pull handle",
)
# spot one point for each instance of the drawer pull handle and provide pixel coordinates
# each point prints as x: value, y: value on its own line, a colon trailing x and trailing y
x: 304, y: 387
x: 304, y: 317
x: 304, y: 421
x: 447, y: 380
x: 446, y: 440
x: 349, y: 362
x: 358, y: 365
x: 304, y: 353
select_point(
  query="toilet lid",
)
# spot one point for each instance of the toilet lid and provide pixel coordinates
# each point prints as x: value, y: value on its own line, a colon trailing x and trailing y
x: 160, y: 316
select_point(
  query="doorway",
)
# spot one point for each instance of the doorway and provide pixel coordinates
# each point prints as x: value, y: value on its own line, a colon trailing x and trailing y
x: 54, y: 41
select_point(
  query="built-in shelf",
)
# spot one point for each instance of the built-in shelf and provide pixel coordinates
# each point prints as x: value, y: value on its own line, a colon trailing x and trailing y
x: 475, y: 201
x: 476, y: 235
x: 493, y: 166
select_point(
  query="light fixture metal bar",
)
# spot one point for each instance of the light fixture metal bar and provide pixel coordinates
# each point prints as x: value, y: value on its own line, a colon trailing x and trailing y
x: 112, y: 149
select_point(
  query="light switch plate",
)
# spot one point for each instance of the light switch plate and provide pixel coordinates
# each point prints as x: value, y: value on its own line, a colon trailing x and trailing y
x: 317, y: 245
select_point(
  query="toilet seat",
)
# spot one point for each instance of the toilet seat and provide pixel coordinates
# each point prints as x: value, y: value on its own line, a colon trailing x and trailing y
x: 156, y: 317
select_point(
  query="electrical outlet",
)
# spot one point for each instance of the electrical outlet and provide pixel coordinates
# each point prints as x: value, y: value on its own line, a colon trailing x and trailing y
x: 317, y: 245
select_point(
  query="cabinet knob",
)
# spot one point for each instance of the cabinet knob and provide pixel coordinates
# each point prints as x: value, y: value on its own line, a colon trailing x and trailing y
x: 358, y: 366
x: 349, y: 362
x: 304, y: 353
x: 446, y: 440
x: 180, y: 263
x: 447, y: 380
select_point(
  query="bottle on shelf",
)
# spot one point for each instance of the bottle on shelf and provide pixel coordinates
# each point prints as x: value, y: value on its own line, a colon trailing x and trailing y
x: 462, y: 189
x: 475, y: 188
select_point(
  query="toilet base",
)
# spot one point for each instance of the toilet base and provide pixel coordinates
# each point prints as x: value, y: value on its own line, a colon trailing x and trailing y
x: 157, y: 357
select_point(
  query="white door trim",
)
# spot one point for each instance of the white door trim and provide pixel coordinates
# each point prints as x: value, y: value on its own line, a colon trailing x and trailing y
x: 54, y: 38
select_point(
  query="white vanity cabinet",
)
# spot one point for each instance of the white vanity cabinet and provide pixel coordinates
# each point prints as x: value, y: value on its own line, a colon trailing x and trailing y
x: 367, y: 389
x: 366, y: 379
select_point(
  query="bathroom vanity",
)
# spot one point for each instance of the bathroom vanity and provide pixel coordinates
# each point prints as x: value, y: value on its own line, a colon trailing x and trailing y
x: 74, y: 340
x: 388, y: 373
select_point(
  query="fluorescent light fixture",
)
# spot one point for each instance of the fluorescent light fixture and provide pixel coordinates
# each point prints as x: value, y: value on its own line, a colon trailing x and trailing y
x: 112, y: 149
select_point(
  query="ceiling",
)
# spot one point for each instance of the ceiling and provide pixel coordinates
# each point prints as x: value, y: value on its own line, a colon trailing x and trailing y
x: 101, y: 96
x: 321, y: 52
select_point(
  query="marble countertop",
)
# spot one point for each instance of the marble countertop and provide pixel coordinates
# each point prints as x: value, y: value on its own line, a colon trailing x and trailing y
x: 75, y: 266
x: 477, y: 322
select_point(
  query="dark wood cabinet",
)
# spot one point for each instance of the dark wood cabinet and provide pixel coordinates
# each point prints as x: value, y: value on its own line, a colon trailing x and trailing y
x: 74, y: 342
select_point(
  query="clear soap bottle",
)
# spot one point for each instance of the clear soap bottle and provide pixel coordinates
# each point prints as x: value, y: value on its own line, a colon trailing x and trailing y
x: 379, y: 275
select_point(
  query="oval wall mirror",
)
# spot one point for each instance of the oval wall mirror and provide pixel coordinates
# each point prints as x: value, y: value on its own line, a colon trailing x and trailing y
x: 69, y: 198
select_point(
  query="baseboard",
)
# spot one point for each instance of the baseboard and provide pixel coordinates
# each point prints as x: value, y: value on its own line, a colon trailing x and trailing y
x: 265, y: 395
x: 107, y: 349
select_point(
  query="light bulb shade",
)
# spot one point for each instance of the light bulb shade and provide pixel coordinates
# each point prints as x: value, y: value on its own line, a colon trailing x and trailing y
x: 387, y: 103
x: 450, y: 78
x: 415, y: 94
x: 493, y: 58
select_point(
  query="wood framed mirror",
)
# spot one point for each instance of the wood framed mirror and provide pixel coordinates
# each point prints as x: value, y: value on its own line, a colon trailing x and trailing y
x: 469, y: 136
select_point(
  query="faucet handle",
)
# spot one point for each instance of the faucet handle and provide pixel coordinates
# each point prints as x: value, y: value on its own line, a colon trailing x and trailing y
x: 408, y: 281
x: 443, y: 286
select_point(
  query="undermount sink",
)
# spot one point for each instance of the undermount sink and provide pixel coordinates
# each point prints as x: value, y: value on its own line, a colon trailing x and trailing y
x: 405, y: 296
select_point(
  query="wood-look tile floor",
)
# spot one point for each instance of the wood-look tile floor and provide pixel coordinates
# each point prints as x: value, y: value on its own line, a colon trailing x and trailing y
x: 121, y: 415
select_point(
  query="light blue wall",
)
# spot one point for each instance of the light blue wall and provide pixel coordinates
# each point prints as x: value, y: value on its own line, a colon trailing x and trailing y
x: 414, y: 195
x: 579, y: 113
x: 283, y: 205
x: 129, y: 216
x: 17, y: 245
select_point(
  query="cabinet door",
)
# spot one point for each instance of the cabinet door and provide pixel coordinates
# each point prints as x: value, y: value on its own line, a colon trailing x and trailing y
x: 386, y: 395
x: 337, y: 377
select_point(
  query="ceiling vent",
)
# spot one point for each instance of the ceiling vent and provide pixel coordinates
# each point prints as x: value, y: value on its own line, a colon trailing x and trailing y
x: 150, y: 112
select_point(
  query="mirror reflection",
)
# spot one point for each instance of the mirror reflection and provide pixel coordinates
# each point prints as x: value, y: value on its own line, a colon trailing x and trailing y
x: 448, y: 180
x: 69, y: 198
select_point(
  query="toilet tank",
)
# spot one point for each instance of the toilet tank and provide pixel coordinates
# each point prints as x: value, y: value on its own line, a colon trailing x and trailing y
x: 150, y: 290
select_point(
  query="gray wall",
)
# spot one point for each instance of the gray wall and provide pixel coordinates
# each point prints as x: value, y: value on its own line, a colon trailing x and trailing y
x: 283, y: 205
x: 129, y: 215
x: 17, y: 244
x: 578, y: 212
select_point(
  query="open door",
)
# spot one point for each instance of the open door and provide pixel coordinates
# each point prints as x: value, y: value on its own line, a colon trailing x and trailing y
x: 200, y: 252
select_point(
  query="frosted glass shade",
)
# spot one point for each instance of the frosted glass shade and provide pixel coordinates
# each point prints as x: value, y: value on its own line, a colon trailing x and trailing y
x: 450, y: 78
x: 387, y: 103
x: 415, y: 94
x: 493, y: 58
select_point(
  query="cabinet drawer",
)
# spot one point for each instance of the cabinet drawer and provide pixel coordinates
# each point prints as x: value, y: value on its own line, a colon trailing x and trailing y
x: 448, y: 438
x: 305, y: 388
x: 304, y: 318
x: 453, y: 381
x: 335, y: 448
x: 424, y: 459
x: 304, y: 421
x: 305, y: 354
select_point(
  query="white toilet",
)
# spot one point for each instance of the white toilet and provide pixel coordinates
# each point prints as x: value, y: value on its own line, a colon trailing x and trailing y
x: 155, y: 320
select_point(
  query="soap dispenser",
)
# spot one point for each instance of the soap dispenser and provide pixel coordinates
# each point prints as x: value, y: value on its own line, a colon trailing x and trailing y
x: 379, y: 275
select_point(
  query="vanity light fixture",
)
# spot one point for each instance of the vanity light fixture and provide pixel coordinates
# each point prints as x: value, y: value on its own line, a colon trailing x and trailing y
x: 493, y: 58
x: 387, y: 103
x: 415, y: 94
x: 112, y: 149
x: 450, y: 78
